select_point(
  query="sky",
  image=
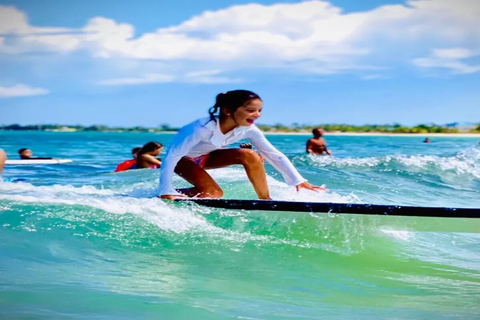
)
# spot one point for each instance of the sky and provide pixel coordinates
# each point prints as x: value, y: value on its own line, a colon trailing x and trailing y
x: 151, y: 62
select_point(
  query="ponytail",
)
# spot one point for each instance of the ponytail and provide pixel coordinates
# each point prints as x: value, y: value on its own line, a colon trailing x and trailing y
x: 212, y: 111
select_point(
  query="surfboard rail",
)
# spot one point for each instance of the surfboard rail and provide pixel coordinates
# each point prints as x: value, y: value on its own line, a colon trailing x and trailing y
x: 37, y: 161
x: 337, y: 208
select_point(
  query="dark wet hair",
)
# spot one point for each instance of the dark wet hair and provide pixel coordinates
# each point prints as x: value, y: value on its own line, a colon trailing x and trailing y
x: 232, y: 100
x: 317, y: 131
x: 136, y: 149
x: 149, y: 146
x: 21, y: 150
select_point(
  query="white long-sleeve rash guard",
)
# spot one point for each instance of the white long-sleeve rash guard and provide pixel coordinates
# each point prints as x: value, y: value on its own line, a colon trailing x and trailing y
x: 204, y: 136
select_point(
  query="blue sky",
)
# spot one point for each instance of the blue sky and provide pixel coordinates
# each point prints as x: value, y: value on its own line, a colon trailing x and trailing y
x: 147, y: 63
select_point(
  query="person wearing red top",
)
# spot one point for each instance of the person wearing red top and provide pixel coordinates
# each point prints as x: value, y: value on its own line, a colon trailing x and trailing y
x: 128, y: 164
x: 3, y: 159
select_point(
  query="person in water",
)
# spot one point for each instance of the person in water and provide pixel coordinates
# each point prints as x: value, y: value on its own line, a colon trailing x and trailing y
x: 26, y: 154
x: 3, y: 159
x: 128, y: 164
x: 199, y: 146
x: 427, y: 140
x: 146, y: 156
x: 317, y: 144
x: 135, y: 152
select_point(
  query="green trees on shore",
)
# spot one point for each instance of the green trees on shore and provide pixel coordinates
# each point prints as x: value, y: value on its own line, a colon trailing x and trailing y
x: 395, y: 128
x: 295, y: 127
x: 94, y: 128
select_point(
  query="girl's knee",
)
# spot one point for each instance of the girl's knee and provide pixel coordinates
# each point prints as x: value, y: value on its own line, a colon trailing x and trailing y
x: 213, y: 193
x: 249, y: 157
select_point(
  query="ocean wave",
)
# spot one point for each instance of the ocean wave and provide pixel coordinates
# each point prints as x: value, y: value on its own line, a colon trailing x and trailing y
x: 132, y: 214
x: 465, y: 164
x: 83, y: 209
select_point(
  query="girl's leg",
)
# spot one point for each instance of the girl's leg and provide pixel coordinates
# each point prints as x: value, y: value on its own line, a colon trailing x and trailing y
x: 204, y: 184
x: 251, y: 161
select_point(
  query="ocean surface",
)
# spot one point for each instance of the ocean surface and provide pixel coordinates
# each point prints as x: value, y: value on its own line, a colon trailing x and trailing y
x: 78, y: 241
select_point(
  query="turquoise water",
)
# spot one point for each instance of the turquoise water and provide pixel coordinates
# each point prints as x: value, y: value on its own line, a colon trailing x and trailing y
x: 71, y: 247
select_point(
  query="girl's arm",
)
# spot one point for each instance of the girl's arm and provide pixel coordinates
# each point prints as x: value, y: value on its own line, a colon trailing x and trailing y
x: 279, y: 161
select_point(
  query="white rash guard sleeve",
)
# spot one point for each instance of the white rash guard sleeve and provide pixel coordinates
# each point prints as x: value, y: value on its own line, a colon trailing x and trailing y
x: 277, y: 159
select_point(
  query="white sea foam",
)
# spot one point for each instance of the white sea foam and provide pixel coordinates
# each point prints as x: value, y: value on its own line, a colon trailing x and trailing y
x: 279, y: 190
x: 170, y: 217
x: 163, y: 214
x: 57, y: 188
x: 345, y: 162
x: 399, y: 234
x: 465, y: 163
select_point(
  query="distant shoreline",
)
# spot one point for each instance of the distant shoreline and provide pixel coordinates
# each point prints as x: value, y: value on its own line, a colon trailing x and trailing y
x: 448, y: 130
x: 383, y: 134
x: 299, y: 133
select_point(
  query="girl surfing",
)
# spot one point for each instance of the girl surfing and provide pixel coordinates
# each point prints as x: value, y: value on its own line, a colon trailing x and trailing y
x: 200, y: 146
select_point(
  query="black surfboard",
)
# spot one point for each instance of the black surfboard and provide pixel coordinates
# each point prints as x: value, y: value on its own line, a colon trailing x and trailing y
x: 340, y: 208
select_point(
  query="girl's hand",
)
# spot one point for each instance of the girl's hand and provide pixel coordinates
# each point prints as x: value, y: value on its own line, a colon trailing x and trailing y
x: 246, y: 145
x: 307, y: 185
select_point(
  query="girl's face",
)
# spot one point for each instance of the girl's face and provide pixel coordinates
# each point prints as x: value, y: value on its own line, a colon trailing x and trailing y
x: 246, y: 115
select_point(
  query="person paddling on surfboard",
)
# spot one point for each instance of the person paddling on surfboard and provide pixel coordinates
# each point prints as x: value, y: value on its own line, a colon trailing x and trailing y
x: 3, y: 159
x: 26, y: 153
x: 200, y: 146
x: 146, y: 156
x: 128, y: 164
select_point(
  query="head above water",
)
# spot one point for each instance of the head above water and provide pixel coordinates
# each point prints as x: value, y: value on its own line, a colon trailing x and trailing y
x: 25, y: 153
x: 230, y: 101
x: 149, y: 147
x: 318, y: 132
x: 135, y: 150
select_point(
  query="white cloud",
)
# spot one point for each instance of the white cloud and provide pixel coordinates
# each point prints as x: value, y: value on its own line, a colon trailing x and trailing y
x: 13, y: 20
x: 18, y: 36
x: 449, y: 59
x: 453, y: 53
x: 374, y: 76
x: 21, y: 90
x: 147, y: 79
x: 211, y: 76
x: 305, y: 37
